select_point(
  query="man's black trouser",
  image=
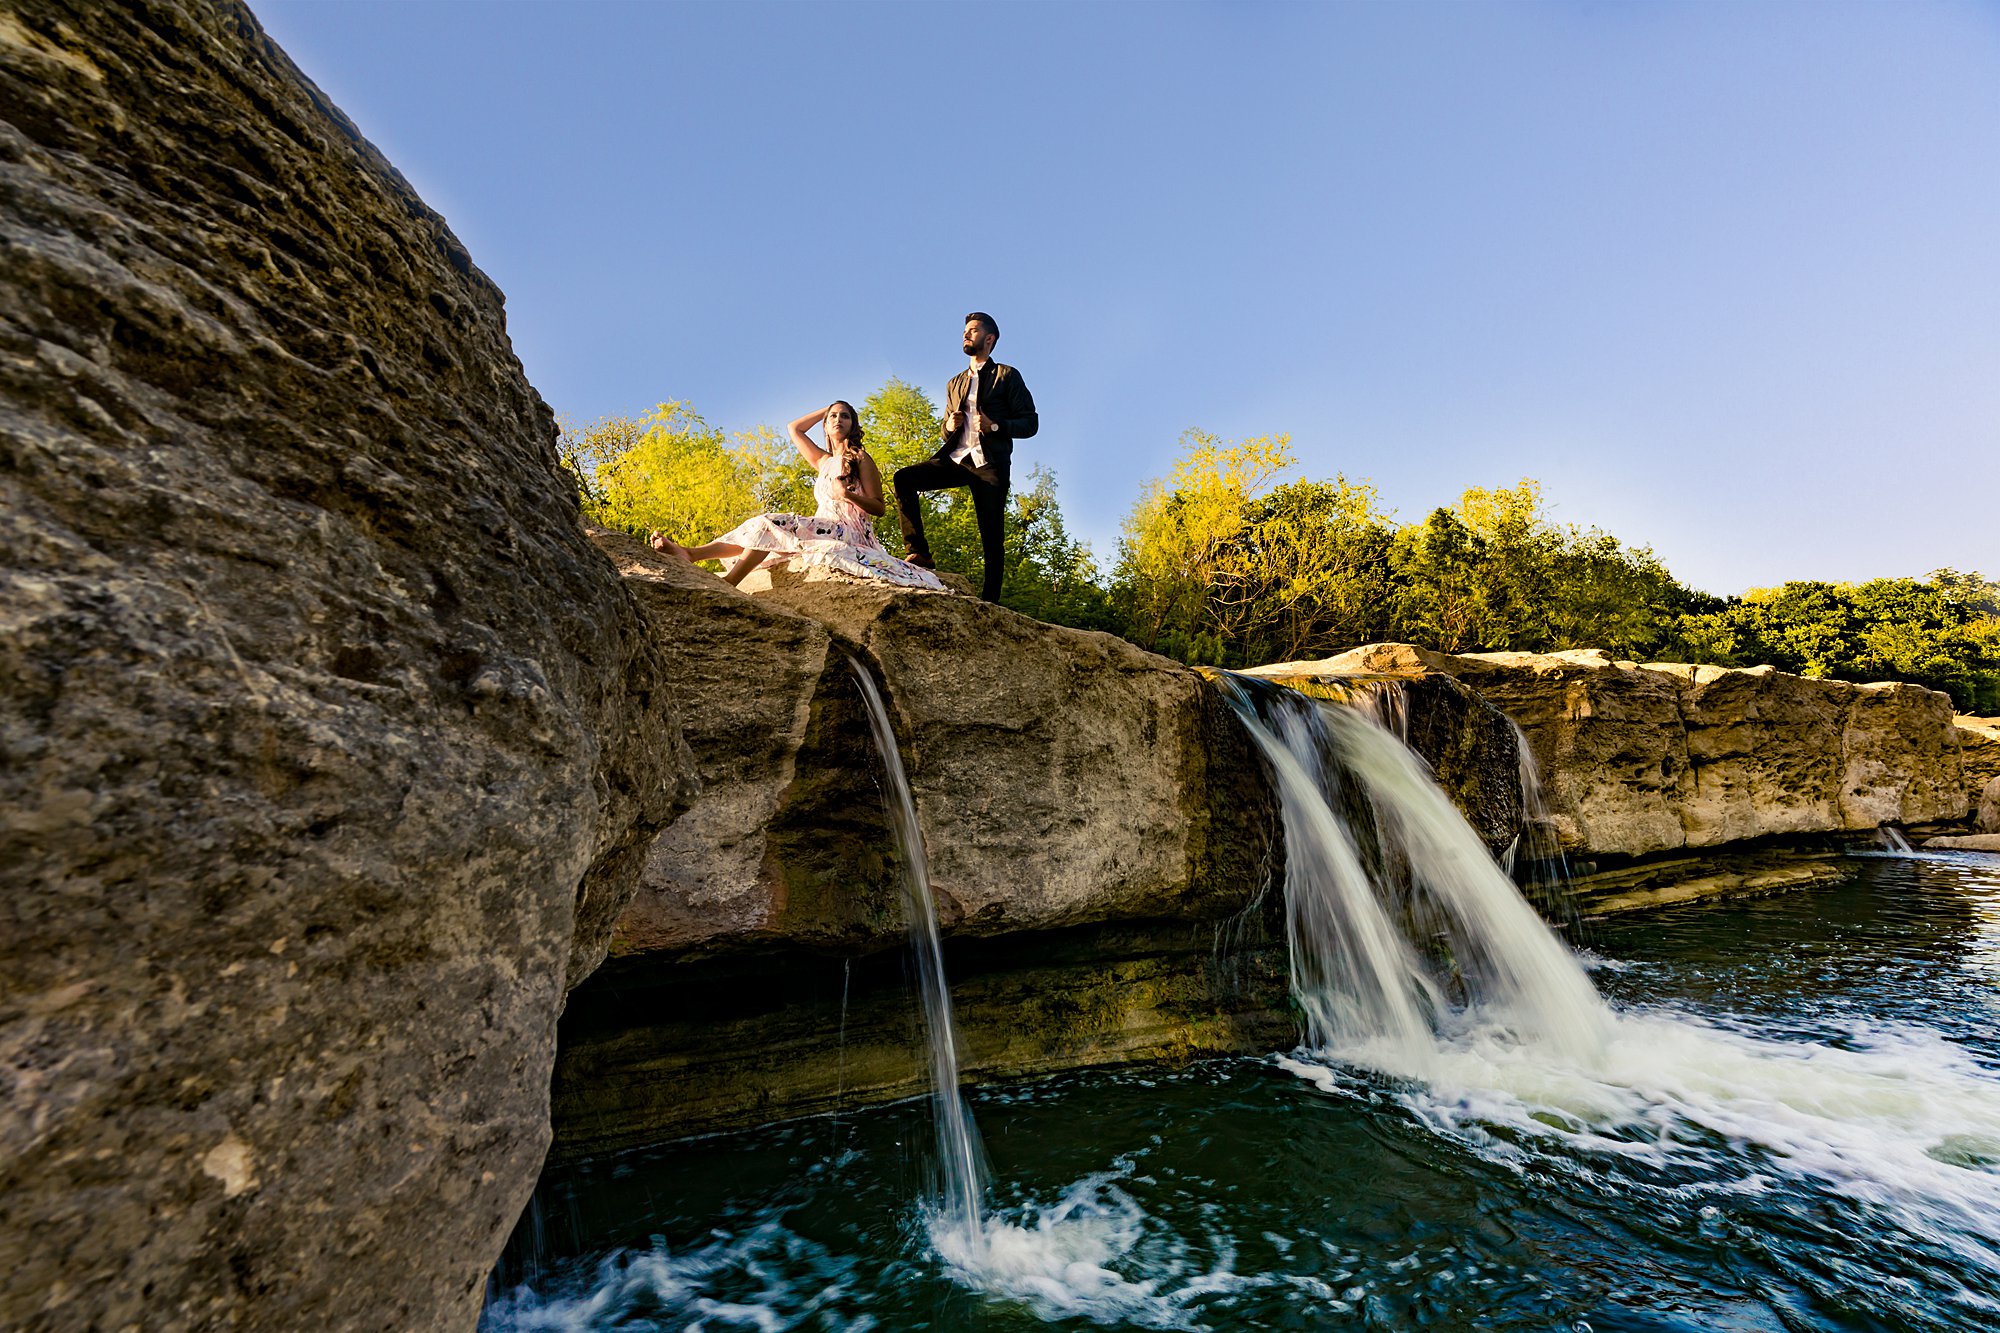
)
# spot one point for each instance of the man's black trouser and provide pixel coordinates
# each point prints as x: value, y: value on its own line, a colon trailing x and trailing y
x: 989, y: 504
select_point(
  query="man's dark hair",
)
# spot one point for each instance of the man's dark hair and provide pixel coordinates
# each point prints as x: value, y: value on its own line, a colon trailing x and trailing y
x: 991, y: 326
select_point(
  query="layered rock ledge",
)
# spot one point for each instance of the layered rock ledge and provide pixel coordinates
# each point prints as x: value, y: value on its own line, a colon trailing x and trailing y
x: 1101, y: 841
x: 1062, y: 777
x: 1979, y: 749
x: 1638, y: 760
x: 329, y: 750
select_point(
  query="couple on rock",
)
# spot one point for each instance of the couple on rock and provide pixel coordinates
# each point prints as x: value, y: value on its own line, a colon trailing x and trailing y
x: 987, y: 408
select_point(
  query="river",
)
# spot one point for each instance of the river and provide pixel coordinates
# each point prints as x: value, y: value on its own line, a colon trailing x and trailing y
x: 1793, y: 1123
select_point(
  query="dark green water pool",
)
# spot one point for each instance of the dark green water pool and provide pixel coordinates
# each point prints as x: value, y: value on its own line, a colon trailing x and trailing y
x: 1793, y: 1124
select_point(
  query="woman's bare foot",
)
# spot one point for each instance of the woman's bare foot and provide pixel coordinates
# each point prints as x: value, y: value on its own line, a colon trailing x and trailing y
x: 666, y: 545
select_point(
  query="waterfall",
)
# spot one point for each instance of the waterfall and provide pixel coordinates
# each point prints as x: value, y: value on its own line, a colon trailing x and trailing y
x: 1892, y: 839
x: 1352, y: 972
x: 1536, y: 860
x: 1401, y: 922
x: 961, y: 1159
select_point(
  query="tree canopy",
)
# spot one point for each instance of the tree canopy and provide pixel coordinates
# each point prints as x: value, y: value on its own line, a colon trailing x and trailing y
x: 1232, y: 561
x: 674, y: 472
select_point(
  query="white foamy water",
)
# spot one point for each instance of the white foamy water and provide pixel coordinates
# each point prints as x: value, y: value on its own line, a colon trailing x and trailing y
x: 1533, y: 1070
x: 1354, y: 969
x: 1353, y: 973
x: 1069, y: 1260
x: 1512, y: 961
x: 1944, y: 856
x: 1902, y: 1121
x: 763, y: 1278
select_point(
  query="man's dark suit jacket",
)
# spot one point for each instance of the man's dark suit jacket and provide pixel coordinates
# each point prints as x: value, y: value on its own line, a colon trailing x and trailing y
x: 1003, y: 398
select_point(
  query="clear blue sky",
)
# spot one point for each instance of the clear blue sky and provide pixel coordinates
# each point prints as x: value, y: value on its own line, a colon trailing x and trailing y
x: 1724, y: 277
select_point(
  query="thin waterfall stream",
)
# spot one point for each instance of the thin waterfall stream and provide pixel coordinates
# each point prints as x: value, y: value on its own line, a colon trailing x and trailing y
x: 961, y: 1158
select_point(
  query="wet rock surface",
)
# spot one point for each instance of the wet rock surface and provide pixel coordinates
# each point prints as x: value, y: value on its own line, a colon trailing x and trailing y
x: 652, y: 1052
x: 1672, y: 881
x: 331, y: 749
x: 1471, y: 747
x: 1965, y: 842
x: 1639, y: 760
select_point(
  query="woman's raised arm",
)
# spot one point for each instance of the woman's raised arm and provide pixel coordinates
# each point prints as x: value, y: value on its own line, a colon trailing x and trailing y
x: 803, y: 442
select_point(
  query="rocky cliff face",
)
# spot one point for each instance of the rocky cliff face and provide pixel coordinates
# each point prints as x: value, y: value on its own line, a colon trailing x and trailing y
x: 1644, y: 759
x: 1979, y: 748
x: 1100, y: 836
x: 1062, y: 777
x: 330, y: 748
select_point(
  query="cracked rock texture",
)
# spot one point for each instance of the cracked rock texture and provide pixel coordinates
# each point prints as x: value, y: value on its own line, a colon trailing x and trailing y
x: 1979, y: 744
x: 1099, y: 829
x: 1642, y: 759
x: 1062, y: 777
x: 329, y: 749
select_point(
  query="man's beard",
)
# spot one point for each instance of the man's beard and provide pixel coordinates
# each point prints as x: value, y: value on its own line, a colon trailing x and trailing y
x: 972, y: 348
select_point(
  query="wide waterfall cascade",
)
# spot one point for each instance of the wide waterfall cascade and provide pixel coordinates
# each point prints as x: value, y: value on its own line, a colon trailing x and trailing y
x: 1346, y: 782
x: 1528, y: 1065
x: 961, y: 1157
x: 1353, y: 973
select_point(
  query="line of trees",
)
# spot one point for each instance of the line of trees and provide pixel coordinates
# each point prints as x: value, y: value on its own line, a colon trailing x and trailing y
x: 1230, y: 561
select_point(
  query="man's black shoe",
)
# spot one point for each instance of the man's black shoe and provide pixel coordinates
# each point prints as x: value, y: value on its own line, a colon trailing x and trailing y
x: 921, y: 559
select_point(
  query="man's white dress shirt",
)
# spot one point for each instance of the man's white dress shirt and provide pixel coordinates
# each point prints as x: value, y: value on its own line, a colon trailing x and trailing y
x: 968, y: 430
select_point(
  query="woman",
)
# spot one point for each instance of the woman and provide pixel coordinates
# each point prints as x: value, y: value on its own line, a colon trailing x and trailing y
x: 839, y: 536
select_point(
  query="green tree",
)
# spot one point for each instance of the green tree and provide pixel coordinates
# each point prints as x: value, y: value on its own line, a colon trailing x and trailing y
x: 1943, y: 633
x: 1495, y: 573
x: 1440, y: 595
x: 673, y: 471
x: 899, y: 426
x: 1186, y: 578
x: 1050, y: 575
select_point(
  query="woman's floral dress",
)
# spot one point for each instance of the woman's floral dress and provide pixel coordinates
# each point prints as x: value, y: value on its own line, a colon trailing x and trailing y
x: 839, y: 537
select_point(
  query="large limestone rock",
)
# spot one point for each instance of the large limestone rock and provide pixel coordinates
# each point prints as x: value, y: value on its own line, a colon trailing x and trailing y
x: 767, y: 691
x: 1101, y: 840
x: 1966, y: 842
x: 329, y: 750
x: 1987, y: 816
x: 1062, y: 777
x: 1645, y: 759
x: 1979, y: 749
x: 1096, y: 826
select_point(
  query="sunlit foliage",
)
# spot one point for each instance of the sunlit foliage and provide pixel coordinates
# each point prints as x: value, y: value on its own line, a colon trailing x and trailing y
x: 1221, y: 564
x: 1943, y: 632
x: 1230, y: 560
x: 674, y: 472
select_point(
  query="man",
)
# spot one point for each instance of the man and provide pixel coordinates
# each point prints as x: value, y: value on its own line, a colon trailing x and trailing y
x: 986, y: 409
